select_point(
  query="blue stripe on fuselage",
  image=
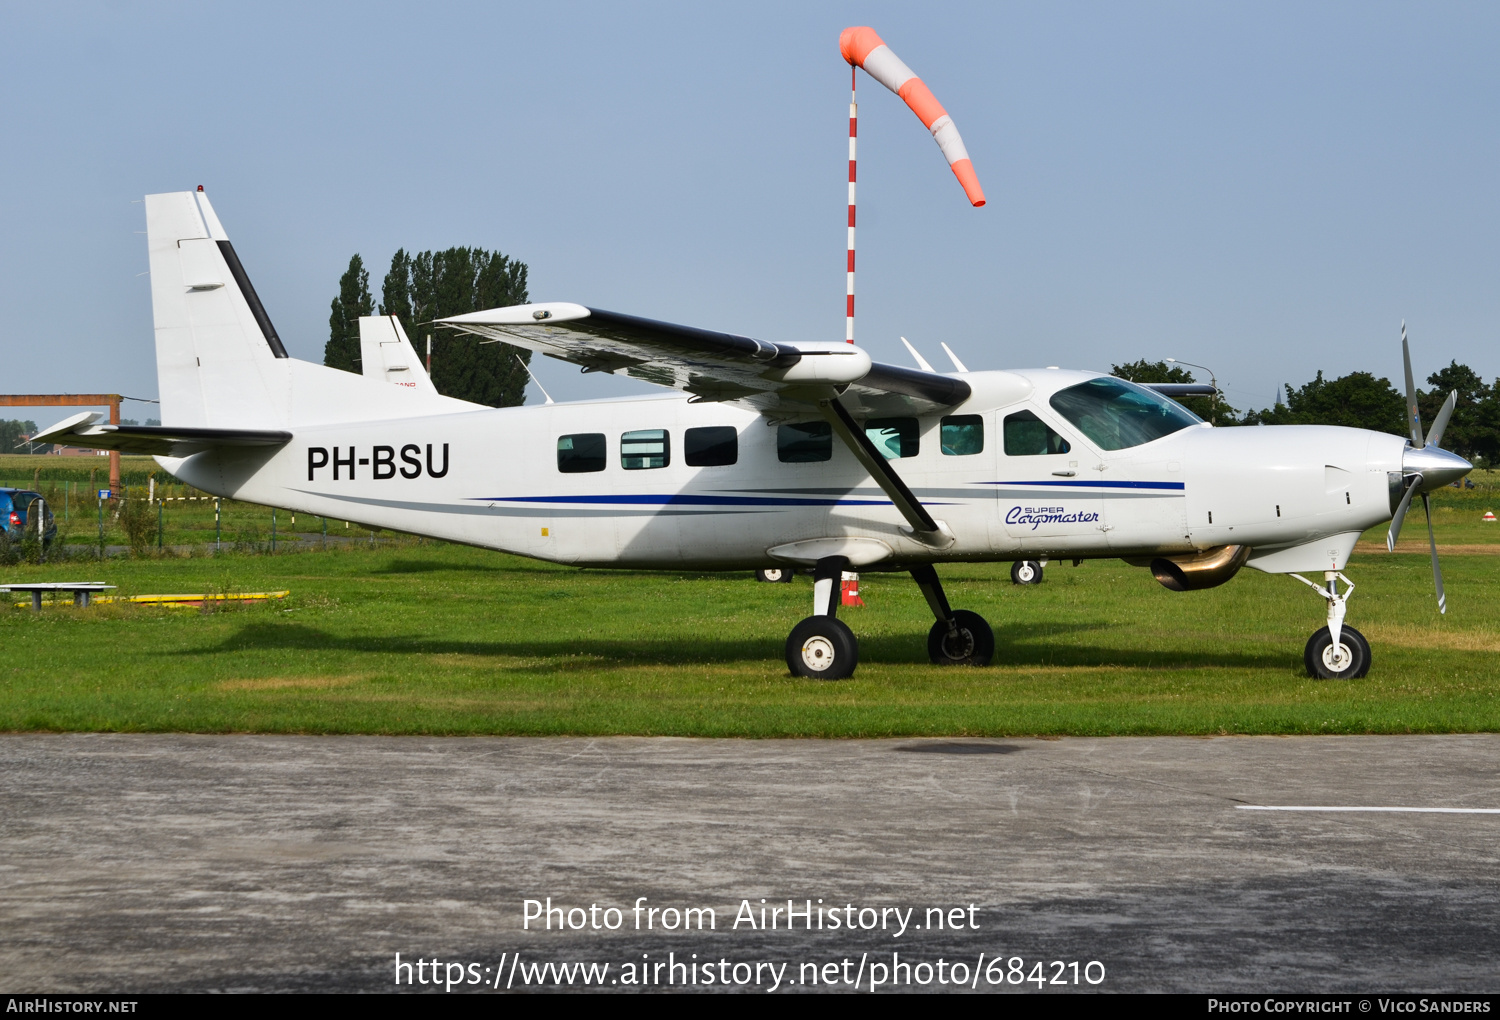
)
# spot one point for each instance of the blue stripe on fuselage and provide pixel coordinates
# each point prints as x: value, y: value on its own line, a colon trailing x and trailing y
x: 679, y: 499
x: 1085, y: 484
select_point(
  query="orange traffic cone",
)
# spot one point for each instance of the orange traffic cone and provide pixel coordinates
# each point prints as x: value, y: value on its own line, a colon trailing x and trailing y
x: 1489, y: 515
x: 849, y: 590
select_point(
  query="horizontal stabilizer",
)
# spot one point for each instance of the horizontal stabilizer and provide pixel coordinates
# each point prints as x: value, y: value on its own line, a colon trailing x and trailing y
x: 156, y: 440
x: 713, y: 366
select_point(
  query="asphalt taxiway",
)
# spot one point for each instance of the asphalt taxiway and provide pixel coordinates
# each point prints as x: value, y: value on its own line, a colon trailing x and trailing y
x: 182, y: 862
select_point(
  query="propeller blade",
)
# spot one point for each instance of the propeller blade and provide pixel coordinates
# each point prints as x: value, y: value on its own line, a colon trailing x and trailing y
x: 1437, y: 574
x: 1413, y: 419
x: 1400, y: 514
x: 1435, y: 436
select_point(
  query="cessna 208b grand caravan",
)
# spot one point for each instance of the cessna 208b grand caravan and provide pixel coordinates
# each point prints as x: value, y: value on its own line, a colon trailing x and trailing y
x: 805, y: 455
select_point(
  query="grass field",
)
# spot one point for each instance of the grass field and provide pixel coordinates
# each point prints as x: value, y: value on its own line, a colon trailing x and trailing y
x: 432, y: 638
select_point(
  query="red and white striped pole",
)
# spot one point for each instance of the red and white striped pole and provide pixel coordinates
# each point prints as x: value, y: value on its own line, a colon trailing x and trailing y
x: 853, y: 137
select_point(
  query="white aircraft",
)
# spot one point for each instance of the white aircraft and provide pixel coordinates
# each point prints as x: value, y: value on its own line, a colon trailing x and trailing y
x: 804, y: 455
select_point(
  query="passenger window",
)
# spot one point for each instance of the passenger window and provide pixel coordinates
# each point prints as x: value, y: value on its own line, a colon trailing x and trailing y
x: 893, y: 437
x: 961, y: 435
x: 645, y: 448
x: 1026, y: 435
x: 713, y: 446
x: 583, y: 452
x: 804, y: 443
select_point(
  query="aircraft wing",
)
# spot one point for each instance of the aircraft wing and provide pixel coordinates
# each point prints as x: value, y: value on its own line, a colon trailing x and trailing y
x: 84, y: 430
x: 769, y: 377
x: 1184, y: 389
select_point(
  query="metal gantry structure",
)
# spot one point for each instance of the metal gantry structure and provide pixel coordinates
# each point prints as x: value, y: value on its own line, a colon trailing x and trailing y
x: 110, y: 400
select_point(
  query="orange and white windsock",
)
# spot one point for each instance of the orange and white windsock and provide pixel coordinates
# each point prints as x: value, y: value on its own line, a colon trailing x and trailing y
x: 862, y: 47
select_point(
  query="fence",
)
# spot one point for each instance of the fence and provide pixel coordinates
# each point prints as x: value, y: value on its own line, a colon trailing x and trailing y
x: 153, y: 514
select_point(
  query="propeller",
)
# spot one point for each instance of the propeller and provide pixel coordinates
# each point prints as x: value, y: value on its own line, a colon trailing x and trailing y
x: 1425, y: 465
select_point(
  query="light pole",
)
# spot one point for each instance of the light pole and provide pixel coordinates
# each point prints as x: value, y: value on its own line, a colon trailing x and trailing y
x: 1213, y: 412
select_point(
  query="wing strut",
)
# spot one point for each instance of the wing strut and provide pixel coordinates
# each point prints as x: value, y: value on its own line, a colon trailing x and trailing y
x: 921, y: 525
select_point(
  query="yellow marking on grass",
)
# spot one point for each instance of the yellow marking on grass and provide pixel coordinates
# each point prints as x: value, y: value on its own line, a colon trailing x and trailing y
x: 1409, y: 636
x: 500, y: 661
x: 289, y: 683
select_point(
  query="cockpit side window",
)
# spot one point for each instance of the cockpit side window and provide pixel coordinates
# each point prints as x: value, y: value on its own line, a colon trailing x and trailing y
x: 1026, y: 435
x: 1116, y: 415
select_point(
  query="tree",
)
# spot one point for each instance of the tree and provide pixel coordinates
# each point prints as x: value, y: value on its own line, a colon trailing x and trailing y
x: 433, y: 285
x: 1358, y: 400
x: 1207, y: 408
x: 1474, y: 429
x: 342, y: 349
x: 11, y: 432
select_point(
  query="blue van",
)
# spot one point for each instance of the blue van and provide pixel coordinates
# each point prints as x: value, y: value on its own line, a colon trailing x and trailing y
x: 15, y: 513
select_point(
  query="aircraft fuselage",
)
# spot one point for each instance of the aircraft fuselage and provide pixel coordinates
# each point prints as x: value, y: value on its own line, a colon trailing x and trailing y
x: 631, y: 498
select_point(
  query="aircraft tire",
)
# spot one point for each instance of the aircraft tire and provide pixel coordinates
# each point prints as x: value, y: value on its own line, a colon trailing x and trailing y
x: 822, y: 648
x: 774, y: 575
x: 1319, y: 662
x: 973, y: 645
x: 1026, y: 572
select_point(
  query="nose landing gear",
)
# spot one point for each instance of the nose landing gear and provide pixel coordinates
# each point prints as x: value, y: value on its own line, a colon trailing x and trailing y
x: 1335, y: 652
x: 823, y: 647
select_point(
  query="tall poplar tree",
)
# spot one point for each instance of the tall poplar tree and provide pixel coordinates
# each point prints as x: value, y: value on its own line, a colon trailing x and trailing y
x: 354, y: 300
x: 432, y: 285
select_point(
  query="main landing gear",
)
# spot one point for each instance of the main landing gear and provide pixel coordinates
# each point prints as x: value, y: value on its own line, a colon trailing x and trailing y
x: 823, y: 647
x: 1335, y: 652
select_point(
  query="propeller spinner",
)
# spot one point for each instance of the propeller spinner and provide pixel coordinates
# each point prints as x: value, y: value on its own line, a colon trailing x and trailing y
x: 1425, y: 466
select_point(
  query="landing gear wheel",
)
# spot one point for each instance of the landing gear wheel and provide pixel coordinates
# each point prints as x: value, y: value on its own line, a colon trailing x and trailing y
x: 774, y: 575
x: 1026, y: 572
x: 973, y: 644
x: 1351, y: 662
x: 822, y: 648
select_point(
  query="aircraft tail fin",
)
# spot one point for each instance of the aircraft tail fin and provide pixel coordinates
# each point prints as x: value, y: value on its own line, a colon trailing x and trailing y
x: 216, y: 348
x: 388, y: 356
x: 219, y: 360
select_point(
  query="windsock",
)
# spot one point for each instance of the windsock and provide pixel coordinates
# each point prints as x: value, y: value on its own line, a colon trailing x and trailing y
x: 861, y: 46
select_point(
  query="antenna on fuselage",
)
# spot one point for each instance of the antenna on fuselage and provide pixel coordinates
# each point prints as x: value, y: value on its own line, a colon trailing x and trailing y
x: 952, y: 357
x: 921, y: 361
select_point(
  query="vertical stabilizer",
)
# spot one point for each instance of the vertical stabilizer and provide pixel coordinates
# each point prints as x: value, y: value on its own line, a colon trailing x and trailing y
x: 216, y: 350
x: 388, y: 356
x: 220, y: 362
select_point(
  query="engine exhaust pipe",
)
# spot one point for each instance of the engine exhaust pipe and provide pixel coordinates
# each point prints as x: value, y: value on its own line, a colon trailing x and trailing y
x: 1208, y: 569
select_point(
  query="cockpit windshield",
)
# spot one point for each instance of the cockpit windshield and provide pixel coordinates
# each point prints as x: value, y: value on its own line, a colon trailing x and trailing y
x: 1116, y: 414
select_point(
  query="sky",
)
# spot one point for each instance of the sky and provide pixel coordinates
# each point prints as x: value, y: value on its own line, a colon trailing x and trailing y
x: 1265, y: 189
